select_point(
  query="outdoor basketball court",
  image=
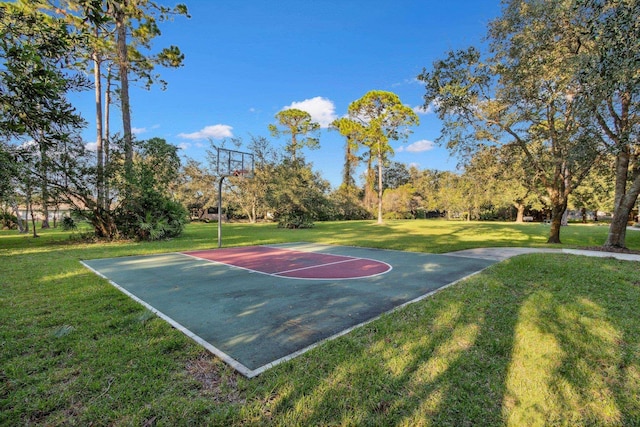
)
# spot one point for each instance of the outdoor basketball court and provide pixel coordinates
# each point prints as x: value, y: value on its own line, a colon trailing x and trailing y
x: 258, y: 306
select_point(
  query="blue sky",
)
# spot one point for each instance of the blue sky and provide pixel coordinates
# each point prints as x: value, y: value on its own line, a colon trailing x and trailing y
x: 246, y: 60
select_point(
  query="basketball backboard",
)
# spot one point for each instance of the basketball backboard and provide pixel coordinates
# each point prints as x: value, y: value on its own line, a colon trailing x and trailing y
x: 234, y: 163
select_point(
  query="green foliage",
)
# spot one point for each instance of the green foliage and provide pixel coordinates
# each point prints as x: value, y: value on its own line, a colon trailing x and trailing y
x: 296, y: 123
x: 148, y: 212
x: 68, y: 223
x: 151, y: 216
x: 34, y: 83
x: 346, y: 204
x: 522, y: 92
x: 8, y: 221
x: 296, y: 194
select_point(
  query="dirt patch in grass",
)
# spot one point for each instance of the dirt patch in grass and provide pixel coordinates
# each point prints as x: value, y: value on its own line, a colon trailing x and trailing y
x: 215, y: 379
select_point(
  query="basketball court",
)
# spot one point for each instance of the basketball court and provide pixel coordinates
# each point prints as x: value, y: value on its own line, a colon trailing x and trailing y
x: 258, y: 306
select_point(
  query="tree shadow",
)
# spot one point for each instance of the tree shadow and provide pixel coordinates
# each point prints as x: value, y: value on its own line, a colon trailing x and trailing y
x: 510, y: 346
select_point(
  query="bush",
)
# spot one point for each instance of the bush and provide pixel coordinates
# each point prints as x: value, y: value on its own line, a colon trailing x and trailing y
x: 68, y: 224
x: 295, y: 220
x: 8, y: 221
x: 152, y: 219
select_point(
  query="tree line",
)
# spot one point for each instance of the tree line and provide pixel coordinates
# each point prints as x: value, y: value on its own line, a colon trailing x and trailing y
x: 543, y: 116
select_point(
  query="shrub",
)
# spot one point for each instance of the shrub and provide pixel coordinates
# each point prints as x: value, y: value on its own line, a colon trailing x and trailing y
x: 294, y: 220
x: 151, y: 217
x: 8, y: 221
x: 68, y: 224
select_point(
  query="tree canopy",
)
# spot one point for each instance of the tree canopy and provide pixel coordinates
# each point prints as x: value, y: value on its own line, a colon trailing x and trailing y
x: 521, y: 93
x: 298, y: 124
x: 381, y: 117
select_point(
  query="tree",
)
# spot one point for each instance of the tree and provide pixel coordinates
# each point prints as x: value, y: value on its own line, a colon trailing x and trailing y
x: 248, y: 193
x: 296, y: 123
x: 296, y: 195
x: 383, y: 118
x: 34, y: 84
x: 451, y: 195
x: 117, y: 33
x: 522, y: 94
x: 353, y: 133
x: 399, y: 202
x: 425, y: 185
x: 195, y: 188
x: 396, y: 175
x: 149, y: 212
x: 611, y: 96
x: 503, y: 177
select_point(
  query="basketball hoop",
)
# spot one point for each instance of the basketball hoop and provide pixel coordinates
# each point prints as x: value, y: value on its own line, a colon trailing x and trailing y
x: 234, y: 163
x: 231, y: 163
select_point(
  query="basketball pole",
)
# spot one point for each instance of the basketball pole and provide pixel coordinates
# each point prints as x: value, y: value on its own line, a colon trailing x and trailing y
x: 220, y: 211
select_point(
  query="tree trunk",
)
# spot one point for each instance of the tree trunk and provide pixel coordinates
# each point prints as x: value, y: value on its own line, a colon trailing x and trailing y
x: 16, y: 212
x: 520, y: 215
x: 369, y: 190
x: 99, y: 147
x: 294, y: 145
x: 29, y: 207
x: 618, y: 228
x: 624, y: 202
x: 106, y: 143
x: 44, y: 184
x: 380, y: 187
x: 123, y: 66
x: 557, y: 211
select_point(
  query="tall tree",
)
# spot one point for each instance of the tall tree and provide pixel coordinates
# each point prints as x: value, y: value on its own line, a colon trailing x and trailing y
x: 117, y: 36
x: 353, y: 133
x: 34, y: 85
x: 611, y: 94
x: 522, y: 94
x: 298, y: 124
x: 383, y: 118
x: 120, y: 33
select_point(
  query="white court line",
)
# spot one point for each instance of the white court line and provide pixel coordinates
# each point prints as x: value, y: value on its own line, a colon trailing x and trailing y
x: 318, y: 265
x: 244, y: 370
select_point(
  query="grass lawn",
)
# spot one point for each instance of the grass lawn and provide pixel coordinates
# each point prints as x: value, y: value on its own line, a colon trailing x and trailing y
x: 541, y: 339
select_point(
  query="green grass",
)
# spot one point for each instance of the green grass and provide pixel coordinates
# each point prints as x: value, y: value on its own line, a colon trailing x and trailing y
x: 542, y: 339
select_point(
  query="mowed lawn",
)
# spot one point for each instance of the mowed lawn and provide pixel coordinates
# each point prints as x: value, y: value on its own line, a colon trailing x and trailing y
x: 541, y: 339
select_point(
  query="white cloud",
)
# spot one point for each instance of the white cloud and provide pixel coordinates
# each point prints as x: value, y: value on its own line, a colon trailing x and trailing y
x: 418, y: 146
x: 184, y: 145
x: 91, y: 146
x: 138, y: 131
x: 421, y: 109
x: 410, y: 81
x: 213, y: 132
x: 322, y: 110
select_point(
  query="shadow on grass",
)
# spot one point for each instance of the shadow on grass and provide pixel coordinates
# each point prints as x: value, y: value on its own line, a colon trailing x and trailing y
x: 508, y: 347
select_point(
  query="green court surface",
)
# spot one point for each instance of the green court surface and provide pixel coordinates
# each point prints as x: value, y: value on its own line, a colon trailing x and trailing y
x: 254, y: 319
